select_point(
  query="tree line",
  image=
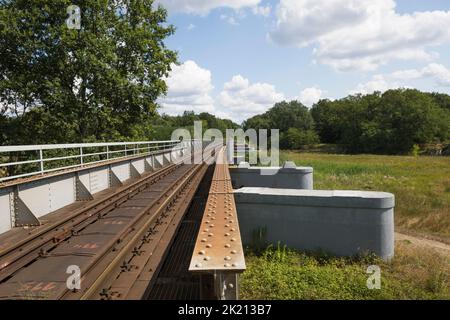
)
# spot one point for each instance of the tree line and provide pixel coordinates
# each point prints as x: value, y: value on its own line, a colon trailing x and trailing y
x: 393, y: 122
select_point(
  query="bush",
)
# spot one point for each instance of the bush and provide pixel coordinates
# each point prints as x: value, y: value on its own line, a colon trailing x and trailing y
x: 415, y: 150
x: 298, y: 139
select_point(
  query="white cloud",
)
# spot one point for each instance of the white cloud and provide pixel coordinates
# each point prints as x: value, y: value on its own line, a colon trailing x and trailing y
x: 189, y: 88
x: 240, y: 99
x: 437, y: 72
x: 203, y: 7
x: 262, y: 10
x: 359, y: 34
x: 309, y: 96
x: 377, y: 83
x: 230, y: 19
x: 191, y: 27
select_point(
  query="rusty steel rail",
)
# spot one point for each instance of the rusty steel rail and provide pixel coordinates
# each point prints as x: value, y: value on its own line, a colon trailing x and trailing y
x: 131, y: 270
x: 174, y: 281
x: 218, y: 250
x: 45, y: 238
x: 118, y: 241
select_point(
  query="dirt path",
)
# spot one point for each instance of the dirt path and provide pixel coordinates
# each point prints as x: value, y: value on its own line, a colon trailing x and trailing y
x: 422, y: 242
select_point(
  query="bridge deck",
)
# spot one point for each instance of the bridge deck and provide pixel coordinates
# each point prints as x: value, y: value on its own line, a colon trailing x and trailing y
x: 101, y: 243
x: 174, y: 281
x: 131, y: 242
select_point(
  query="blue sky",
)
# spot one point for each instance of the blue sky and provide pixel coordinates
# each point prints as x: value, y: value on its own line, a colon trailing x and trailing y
x: 239, y: 57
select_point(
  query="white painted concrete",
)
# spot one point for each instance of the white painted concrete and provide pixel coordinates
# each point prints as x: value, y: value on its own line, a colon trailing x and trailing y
x: 286, y: 177
x: 5, y: 214
x: 344, y: 223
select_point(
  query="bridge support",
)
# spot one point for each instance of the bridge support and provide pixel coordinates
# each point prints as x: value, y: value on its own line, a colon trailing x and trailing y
x: 81, y: 192
x: 114, y: 181
x: 23, y: 216
x: 148, y: 164
x: 226, y: 285
x: 341, y: 223
x: 134, y: 173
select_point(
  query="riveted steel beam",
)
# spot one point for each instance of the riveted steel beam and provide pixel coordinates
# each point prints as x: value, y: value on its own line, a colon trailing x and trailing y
x: 218, y: 249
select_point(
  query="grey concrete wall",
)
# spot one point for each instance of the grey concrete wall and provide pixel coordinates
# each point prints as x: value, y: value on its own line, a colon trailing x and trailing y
x: 343, y: 223
x: 287, y: 177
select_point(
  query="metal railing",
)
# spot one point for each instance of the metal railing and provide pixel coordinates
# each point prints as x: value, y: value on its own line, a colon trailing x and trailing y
x: 28, y: 160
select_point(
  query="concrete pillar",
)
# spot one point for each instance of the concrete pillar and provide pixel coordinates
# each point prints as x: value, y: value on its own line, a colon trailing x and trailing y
x: 289, y: 176
x: 343, y: 223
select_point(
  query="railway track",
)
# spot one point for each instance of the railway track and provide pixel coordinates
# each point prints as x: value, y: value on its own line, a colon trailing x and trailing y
x: 117, y: 242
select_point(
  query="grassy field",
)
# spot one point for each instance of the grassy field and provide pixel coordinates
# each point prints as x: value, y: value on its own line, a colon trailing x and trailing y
x: 421, y: 185
x: 279, y: 273
x: 422, y: 189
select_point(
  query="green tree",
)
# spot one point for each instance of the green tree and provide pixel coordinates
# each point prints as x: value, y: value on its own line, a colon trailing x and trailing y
x: 100, y: 82
x: 295, y: 138
x: 258, y: 122
x: 326, y: 115
x: 441, y: 99
x: 293, y: 114
x: 294, y: 121
x: 392, y: 122
x: 408, y: 117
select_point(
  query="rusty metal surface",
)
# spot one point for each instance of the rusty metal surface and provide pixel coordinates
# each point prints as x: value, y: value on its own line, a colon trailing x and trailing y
x: 218, y: 246
x: 45, y: 238
x: 82, y: 249
x: 174, y: 281
x: 135, y: 284
x: 119, y: 241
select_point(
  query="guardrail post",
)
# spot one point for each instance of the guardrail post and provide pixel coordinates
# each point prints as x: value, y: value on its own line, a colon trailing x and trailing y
x: 81, y: 156
x: 41, y: 158
x: 107, y: 152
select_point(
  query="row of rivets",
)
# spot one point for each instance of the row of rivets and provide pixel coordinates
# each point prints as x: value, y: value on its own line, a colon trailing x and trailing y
x: 221, y: 185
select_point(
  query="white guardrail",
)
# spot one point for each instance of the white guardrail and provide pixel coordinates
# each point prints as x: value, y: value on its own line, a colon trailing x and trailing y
x: 40, y: 159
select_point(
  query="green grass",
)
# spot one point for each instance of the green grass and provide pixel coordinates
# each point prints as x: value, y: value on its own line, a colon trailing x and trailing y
x: 421, y: 185
x: 279, y: 273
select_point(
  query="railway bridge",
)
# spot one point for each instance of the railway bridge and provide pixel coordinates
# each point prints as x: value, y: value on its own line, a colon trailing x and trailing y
x: 159, y: 220
x: 138, y: 220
